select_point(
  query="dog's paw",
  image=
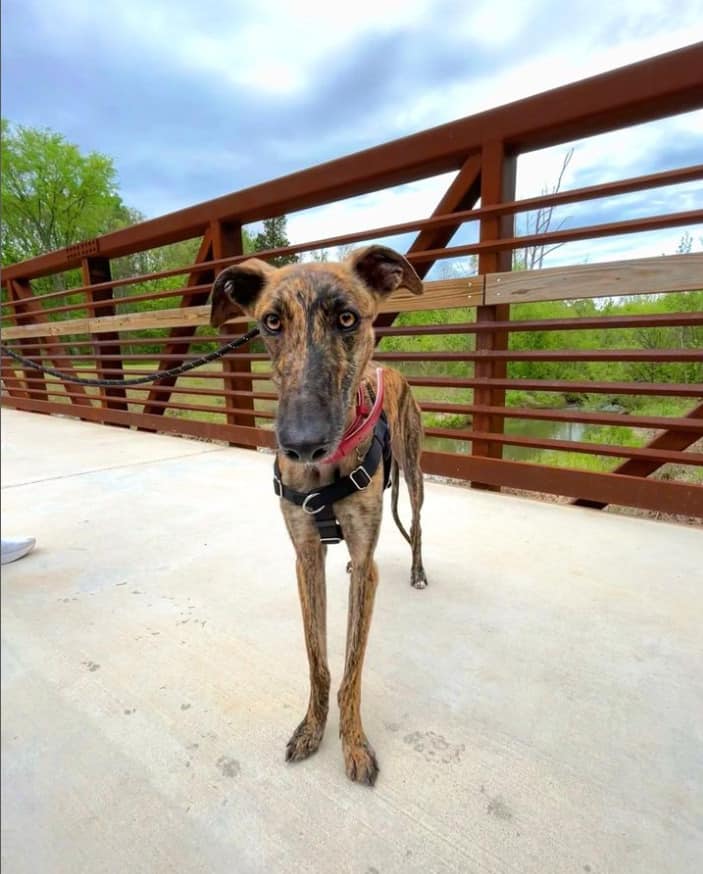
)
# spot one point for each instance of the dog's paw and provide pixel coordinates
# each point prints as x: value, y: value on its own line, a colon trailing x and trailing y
x: 360, y: 762
x: 305, y: 741
x: 418, y: 579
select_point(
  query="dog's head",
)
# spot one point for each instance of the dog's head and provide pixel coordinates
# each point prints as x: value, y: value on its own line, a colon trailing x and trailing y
x: 317, y: 323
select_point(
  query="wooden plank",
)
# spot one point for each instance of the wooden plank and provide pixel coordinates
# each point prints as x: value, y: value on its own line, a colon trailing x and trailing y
x: 443, y: 294
x: 639, y: 276
x: 437, y: 221
x: 609, y: 488
x: 171, y: 318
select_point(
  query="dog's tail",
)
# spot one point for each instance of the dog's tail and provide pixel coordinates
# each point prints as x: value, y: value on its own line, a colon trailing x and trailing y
x: 395, y: 474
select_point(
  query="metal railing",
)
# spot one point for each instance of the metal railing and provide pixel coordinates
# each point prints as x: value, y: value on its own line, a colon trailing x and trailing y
x: 109, y: 326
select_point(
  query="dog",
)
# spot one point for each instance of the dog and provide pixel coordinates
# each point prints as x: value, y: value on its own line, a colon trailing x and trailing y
x: 316, y: 321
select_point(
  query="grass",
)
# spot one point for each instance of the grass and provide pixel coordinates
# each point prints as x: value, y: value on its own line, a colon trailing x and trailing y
x: 136, y: 396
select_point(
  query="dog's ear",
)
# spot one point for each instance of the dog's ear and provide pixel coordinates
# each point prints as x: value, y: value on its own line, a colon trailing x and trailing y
x: 383, y: 270
x: 237, y: 288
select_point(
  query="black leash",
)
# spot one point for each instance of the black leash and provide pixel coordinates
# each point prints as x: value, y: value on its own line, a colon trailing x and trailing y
x: 319, y: 502
x: 138, y: 380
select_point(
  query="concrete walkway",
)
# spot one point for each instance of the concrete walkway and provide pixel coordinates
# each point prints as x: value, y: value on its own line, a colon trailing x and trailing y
x: 537, y: 709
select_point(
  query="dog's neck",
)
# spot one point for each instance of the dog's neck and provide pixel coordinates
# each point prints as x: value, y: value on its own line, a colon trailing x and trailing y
x: 363, y: 421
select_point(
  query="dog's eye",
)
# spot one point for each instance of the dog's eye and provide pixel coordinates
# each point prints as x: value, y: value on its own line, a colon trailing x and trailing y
x: 272, y: 323
x: 347, y: 320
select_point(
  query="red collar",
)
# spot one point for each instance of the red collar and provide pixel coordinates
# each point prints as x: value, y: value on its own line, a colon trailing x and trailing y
x: 363, y: 424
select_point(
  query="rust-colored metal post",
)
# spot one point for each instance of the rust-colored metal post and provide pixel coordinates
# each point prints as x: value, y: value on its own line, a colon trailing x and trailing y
x: 462, y: 194
x: 35, y: 381
x: 227, y: 242
x: 498, y: 174
x: 180, y: 339
x: 101, y: 303
x: 13, y: 384
x: 29, y: 312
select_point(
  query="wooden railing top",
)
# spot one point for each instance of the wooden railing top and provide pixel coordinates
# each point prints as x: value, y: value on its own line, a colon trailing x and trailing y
x: 641, y: 92
x: 658, y: 275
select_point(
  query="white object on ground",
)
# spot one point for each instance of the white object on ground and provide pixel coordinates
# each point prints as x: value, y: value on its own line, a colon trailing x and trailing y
x: 12, y: 549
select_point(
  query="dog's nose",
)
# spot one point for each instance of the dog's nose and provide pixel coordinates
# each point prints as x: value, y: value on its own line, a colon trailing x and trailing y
x: 306, y: 451
x: 301, y: 446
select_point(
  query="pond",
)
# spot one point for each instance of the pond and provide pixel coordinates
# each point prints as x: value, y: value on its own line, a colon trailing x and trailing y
x: 523, y: 427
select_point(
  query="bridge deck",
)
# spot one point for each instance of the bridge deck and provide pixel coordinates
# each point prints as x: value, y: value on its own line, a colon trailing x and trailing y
x: 537, y: 709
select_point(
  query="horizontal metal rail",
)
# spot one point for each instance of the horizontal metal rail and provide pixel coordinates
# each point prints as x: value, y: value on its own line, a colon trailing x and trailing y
x: 548, y: 415
x: 534, y: 355
x: 604, y: 488
x: 669, y: 177
x: 658, y: 87
x: 563, y: 386
x: 568, y: 235
x: 603, y: 449
x: 575, y: 323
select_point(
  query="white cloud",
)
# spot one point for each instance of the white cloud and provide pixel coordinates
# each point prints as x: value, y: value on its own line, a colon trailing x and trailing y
x: 392, y: 206
x: 275, y: 51
x: 604, y: 158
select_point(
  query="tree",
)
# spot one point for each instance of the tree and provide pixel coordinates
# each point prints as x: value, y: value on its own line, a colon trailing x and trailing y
x: 274, y: 236
x: 540, y: 222
x: 685, y: 245
x: 52, y: 195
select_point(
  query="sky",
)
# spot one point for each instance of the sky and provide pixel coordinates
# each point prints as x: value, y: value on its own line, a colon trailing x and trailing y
x: 193, y: 101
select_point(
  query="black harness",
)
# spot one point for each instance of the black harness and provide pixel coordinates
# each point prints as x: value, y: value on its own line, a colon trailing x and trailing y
x: 320, y: 503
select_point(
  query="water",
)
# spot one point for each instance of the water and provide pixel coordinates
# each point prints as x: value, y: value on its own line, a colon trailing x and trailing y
x: 525, y: 428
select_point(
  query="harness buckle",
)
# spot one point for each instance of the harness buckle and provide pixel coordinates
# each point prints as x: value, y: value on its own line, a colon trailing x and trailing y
x: 353, y: 475
x: 277, y: 486
x: 305, y: 505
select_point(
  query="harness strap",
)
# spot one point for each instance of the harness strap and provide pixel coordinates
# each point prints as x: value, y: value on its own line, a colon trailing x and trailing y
x: 319, y: 503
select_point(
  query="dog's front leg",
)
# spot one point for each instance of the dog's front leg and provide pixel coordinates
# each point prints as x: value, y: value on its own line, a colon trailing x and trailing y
x: 310, y: 570
x: 359, y: 757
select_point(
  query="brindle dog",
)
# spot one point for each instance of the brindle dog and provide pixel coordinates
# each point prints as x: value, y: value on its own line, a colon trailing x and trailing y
x: 316, y: 321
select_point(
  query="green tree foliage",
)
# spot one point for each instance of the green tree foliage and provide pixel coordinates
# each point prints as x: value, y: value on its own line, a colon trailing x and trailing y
x: 52, y: 195
x: 685, y: 245
x: 274, y: 236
